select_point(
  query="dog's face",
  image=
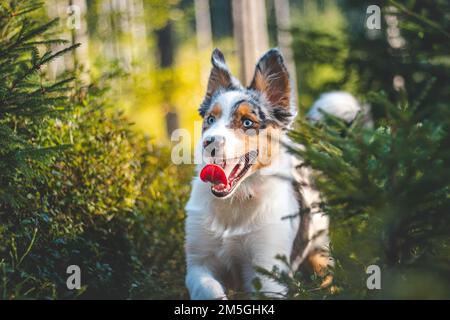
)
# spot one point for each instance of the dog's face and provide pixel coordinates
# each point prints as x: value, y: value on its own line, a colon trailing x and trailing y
x: 242, y: 125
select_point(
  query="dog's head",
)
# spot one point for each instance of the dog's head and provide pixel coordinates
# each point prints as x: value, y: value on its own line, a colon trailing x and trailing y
x: 242, y: 125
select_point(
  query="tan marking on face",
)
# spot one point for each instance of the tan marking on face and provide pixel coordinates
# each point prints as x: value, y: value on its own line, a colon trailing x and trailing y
x: 269, y: 144
x: 215, y: 111
x: 244, y: 111
x: 266, y: 141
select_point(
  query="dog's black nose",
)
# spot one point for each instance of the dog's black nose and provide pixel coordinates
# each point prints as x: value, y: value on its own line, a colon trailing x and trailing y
x: 213, y: 142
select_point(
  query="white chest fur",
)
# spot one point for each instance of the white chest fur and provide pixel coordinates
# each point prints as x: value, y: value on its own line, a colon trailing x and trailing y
x: 228, y: 237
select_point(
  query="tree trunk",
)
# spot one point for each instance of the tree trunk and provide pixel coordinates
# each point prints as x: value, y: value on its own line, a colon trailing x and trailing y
x: 203, y: 25
x: 165, y: 45
x: 250, y: 33
x: 204, y: 33
x: 138, y: 30
x: 58, y: 9
x: 166, y: 58
x: 284, y: 38
x: 80, y: 35
x: 122, y: 14
x: 108, y: 30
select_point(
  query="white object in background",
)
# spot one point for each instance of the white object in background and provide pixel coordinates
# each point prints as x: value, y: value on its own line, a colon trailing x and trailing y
x: 339, y: 104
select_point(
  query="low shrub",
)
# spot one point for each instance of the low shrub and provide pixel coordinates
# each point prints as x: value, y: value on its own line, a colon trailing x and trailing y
x: 78, y: 185
x: 111, y: 203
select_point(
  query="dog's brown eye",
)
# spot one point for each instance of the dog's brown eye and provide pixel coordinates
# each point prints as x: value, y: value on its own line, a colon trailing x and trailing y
x: 247, y: 123
x: 210, y: 120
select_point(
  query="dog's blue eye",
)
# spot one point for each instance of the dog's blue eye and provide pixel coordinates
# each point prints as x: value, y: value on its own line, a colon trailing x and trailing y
x: 247, y: 123
x: 210, y: 120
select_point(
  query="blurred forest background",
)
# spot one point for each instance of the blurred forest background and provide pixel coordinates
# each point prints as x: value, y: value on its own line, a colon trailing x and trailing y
x: 160, y: 50
x: 91, y: 90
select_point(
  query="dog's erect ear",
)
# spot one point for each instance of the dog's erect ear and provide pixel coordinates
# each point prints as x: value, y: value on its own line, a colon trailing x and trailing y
x: 219, y: 78
x: 272, y: 78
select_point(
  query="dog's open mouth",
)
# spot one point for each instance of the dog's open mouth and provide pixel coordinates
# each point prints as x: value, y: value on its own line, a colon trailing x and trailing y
x: 225, y: 179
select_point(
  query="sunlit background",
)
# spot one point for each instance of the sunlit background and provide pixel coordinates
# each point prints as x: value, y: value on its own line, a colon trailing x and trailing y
x: 162, y: 48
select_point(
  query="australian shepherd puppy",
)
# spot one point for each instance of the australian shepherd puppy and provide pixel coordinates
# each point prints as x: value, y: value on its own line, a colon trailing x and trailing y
x: 262, y: 203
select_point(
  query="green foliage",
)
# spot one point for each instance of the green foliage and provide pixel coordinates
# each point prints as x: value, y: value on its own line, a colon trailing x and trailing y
x: 25, y: 96
x: 386, y: 188
x: 79, y: 186
x: 320, y: 49
x: 301, y: 284
x: 112, y: 204
x: 412, y: 44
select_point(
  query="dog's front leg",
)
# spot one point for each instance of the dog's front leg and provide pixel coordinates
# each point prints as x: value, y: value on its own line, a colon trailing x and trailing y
x: 202, y: 284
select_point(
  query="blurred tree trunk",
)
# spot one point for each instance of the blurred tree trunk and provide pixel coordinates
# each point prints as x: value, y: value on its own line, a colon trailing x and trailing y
x: 58, y: 9
x: 165, y: 45
x: 250, y: 33
x: 79, y: 33
x: 204, y: 32
x: 112, y: 47
x: 138, y: 30
x: 166, y: 52
x: 121, y: 9
x: 284, y: 38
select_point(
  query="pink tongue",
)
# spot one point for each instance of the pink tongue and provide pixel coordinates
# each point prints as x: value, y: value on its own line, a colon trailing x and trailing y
x: 214, y: 174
